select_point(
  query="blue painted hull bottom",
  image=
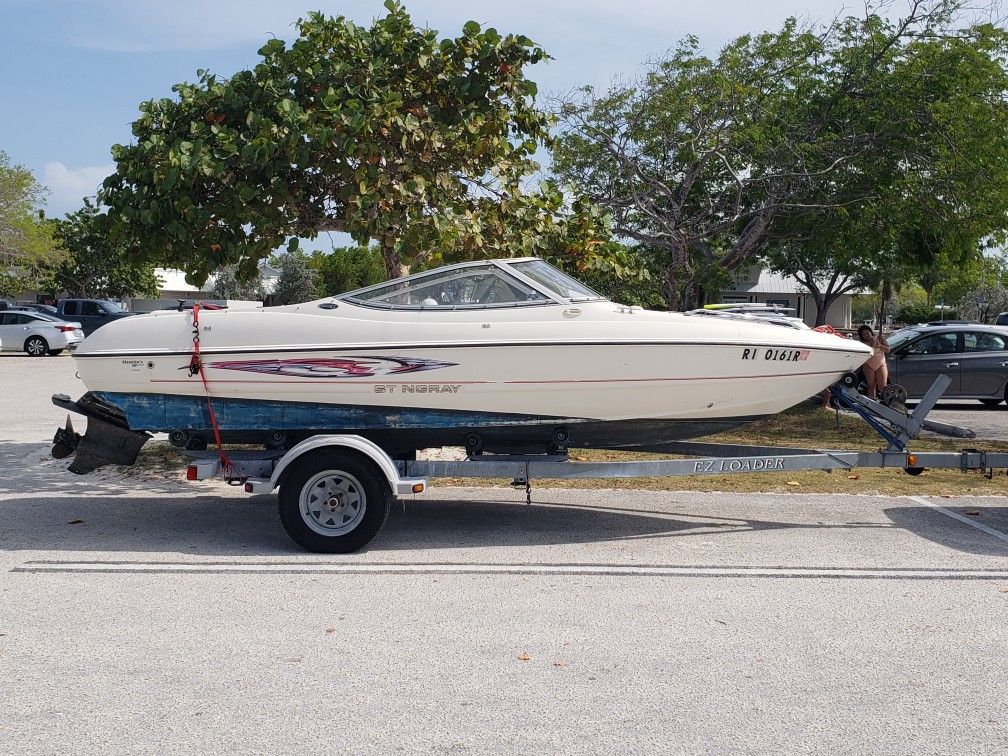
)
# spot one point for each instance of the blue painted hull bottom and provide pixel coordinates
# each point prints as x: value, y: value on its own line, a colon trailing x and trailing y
x: 398, y: 430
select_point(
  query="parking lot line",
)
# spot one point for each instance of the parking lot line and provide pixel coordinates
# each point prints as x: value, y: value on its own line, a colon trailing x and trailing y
x: 581, y: 570
x: 961, y: 518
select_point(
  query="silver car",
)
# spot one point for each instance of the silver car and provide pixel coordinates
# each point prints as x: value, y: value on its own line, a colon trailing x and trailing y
x: 36, y: 333
x: 973, y: 355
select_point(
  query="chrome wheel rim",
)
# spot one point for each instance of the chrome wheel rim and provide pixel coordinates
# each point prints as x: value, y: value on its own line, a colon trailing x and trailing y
x: 35, y: 347
x: 333, y: 503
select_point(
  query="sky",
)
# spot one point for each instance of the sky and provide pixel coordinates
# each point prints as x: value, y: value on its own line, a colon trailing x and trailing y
x: 72, y: 72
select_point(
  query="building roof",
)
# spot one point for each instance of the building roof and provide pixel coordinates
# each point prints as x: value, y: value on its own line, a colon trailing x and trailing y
x: 758, y: 280
x: 171, y: 279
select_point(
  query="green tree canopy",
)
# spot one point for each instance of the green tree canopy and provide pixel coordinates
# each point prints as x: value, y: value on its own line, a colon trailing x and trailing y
x: 96, y: 266
x: 931, y: 189
x: 28, y: 255
x: 386, y: 133
x: 345, y: 269
x: 800, y: 142
x: 296, y: 282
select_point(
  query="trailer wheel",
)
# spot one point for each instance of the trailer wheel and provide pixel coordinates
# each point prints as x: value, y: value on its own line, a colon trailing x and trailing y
x: 333, y: 502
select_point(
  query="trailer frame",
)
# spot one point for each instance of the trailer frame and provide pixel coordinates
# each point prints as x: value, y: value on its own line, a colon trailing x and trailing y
x: 374, y: 469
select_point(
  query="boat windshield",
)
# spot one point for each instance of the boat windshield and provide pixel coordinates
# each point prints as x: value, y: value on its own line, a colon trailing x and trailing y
x: 468, y: 286
x: 498, y: 283
x: 559, y: 283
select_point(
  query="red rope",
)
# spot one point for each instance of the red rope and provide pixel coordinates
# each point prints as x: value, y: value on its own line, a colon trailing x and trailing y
x: 196, y: 365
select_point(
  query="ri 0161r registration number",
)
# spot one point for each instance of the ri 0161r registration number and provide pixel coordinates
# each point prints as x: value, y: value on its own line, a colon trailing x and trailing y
x: 773, y: 354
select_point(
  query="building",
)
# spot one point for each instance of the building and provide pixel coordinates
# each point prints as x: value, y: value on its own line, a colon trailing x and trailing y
x: 174, y: 287
x: 756, y: 284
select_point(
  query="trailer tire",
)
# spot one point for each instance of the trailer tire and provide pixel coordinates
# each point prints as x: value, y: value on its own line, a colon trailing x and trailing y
x: 333, y: 501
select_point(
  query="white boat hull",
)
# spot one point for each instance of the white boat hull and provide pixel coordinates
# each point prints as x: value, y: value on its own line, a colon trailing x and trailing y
x: 447, y: 372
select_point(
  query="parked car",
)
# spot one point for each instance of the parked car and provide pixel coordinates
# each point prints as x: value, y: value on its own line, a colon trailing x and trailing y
x: 1002, y: 319
x: 973, y: 355
x: 43, y: 308
x: 6, y: 304
x: 36, y: 333
x: 90, y: 313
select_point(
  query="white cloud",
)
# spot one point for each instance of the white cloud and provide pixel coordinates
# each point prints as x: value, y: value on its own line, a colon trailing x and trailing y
x: 69, y: 186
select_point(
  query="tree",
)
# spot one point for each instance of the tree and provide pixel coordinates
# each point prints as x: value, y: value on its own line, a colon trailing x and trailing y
x: 296, y: 282
x: 228, y: 284
x: 28, y: 254
x: 96, y: 266
x: 827, y: 273
x: 982, y: 292
x: 712, y: 161
x: 386, y: 133
x: 637, y: 281
x: 346, y: 268
x: 932, y: 189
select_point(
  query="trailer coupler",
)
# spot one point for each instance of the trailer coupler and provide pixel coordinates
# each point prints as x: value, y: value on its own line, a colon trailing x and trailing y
x: 106, y: 442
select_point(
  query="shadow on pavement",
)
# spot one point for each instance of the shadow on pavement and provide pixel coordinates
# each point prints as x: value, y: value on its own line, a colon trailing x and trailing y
x: 936, y: 527
x: 30, y: 467
x: 250, y: 526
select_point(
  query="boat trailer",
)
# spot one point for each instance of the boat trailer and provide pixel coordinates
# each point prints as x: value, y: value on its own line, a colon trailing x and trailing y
x: 326, y: 481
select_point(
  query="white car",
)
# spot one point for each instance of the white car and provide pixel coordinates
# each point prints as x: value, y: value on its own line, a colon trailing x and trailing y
x: 36, y: 333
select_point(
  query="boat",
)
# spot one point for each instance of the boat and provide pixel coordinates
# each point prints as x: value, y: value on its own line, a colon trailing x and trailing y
x: 500, y: 356
x: 768, y: 313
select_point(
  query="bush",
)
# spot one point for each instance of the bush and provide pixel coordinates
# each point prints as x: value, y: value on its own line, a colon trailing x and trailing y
x: 915, y: 313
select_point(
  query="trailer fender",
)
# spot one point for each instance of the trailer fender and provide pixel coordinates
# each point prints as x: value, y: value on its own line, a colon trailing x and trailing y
x: 359, y: 444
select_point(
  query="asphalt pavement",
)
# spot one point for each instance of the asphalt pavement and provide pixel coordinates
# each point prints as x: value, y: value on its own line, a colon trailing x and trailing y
x: 156, y: 615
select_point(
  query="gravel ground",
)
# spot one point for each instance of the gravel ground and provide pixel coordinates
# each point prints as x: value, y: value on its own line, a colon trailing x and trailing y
x: 155, y: 615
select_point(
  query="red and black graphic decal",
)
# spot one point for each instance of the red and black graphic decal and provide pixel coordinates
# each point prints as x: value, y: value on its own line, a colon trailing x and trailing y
x: 333, y: 367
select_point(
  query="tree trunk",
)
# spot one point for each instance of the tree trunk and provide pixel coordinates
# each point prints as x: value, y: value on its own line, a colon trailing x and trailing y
x: 699, y: 297
x: 821, y: 307
x: 884, y: 295
x: 393, y: 265
x: 673, y: 288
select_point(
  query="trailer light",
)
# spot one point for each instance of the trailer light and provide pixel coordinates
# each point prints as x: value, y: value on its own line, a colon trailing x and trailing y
x: 248, y: 488
x: 912, y: 460
x: 418, y: 488
x: 190, y: 473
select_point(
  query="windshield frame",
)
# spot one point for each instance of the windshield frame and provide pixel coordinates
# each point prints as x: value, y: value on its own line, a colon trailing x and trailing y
x: 505, y: 268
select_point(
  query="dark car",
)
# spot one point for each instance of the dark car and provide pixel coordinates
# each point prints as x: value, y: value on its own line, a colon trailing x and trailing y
x: 43, y: 308
x: 92, y: 314
x: 1002, y: 319
x: 973, y: 355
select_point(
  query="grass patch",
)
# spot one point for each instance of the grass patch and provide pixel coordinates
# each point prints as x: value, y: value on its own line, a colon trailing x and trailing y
x: 807, y: 427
